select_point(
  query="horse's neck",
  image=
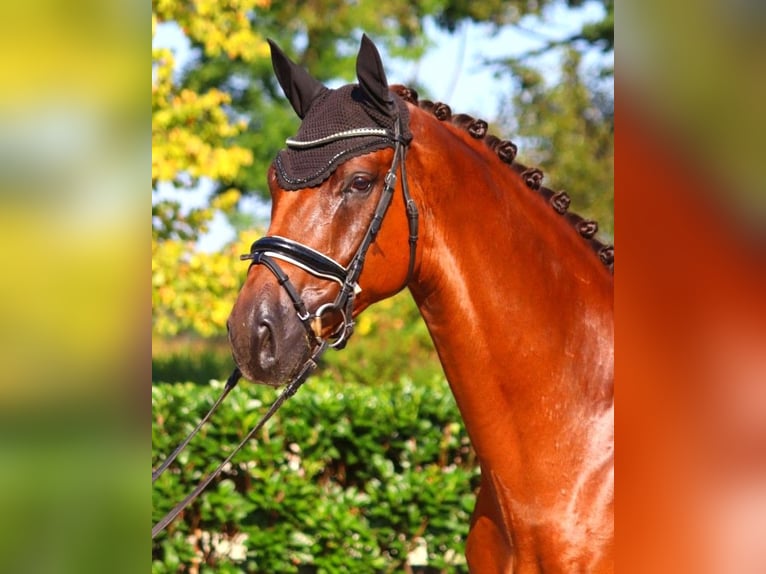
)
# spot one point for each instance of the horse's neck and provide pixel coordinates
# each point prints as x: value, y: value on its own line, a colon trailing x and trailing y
x: 519, y: 308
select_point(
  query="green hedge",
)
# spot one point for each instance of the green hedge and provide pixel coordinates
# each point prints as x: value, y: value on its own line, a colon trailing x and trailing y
x: 345, y: 478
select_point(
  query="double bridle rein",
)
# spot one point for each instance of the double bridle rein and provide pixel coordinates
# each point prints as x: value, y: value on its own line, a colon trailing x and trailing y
x: 267, y: 250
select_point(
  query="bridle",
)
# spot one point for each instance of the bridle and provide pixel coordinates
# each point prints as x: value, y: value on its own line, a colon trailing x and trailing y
x: 267, y: 250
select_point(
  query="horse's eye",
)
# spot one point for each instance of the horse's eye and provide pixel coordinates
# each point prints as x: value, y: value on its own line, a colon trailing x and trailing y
x: 360, y: 184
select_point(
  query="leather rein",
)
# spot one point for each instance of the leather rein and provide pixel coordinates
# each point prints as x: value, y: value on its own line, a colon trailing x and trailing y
x: 267, y: 250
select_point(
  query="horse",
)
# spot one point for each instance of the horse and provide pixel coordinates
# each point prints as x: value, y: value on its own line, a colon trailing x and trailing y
x: 516, y: 292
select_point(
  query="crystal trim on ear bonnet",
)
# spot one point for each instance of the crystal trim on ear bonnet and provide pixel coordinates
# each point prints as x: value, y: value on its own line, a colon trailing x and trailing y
x: 340, y: 124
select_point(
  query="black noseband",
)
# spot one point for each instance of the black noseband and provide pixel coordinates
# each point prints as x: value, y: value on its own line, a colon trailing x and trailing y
x: 310, y: 260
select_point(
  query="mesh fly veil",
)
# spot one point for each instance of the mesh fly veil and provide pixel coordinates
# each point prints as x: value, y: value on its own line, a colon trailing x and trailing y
x: 362, y: 117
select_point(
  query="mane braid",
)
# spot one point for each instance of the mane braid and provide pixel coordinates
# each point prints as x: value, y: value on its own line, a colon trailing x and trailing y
x: 506, y: 150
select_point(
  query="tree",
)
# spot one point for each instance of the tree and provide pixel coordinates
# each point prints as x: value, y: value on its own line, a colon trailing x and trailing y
x: 566, y: 126
x: 567, y: 129
x: 191, y: 131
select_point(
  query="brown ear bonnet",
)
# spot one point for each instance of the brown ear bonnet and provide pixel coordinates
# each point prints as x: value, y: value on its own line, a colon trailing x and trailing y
x: 337, y: 124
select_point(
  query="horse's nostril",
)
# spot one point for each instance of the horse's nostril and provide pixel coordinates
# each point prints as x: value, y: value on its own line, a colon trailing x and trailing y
x: 267, y: 345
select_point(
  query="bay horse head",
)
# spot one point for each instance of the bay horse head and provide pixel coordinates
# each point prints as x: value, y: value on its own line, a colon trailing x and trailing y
x: 330, y: 188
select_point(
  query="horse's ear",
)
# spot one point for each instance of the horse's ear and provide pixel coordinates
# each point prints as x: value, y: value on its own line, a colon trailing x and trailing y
x: 372, y: 78
x: 299, y: 86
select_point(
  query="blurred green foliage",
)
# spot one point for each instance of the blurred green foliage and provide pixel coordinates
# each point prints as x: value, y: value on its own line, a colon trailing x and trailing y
x: 567, y: 129
x: 346, y: 477
x: 192, y: 291
x: 390, y: 341
x: 73, y: 490
x: 192, y: 360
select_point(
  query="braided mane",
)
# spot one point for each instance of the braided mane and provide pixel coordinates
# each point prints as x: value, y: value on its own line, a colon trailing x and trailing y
x: 532, y: 176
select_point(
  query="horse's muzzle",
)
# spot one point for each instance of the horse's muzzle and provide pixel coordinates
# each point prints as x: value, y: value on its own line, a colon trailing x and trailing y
x: 268, y: 343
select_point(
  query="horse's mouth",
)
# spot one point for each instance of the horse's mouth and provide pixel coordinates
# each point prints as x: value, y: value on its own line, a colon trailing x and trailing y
x: 267, y: 343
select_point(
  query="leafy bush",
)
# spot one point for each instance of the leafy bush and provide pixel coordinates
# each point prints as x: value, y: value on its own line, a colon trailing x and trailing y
x: 190, y: 359
x: 192, y: 291
x: 345, y: 478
